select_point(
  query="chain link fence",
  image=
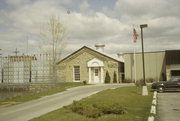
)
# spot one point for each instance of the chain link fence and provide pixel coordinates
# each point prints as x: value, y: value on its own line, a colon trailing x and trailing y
x: 24, y: 74
x: 27, y: 69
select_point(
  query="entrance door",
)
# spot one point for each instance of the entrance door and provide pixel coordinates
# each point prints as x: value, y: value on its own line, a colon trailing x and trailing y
x: 96, y: 75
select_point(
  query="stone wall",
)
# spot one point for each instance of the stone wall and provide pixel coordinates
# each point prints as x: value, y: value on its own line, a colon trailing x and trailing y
x: 38, y: 87
x: 33, y: 87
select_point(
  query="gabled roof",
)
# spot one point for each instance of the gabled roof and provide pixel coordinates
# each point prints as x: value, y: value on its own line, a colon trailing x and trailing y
x: 101, y: 53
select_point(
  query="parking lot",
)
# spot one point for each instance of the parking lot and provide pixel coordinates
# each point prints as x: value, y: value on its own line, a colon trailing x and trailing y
x: 168, y: 108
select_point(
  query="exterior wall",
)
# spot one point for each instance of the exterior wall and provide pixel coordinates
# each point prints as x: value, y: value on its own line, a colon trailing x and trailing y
x: 81, y: 58
x: 111, y: 67
x: 168, y: 72
x: 154, y: 66
x: 172, y: 63
x: 169, y: 68
x: 128, y: 66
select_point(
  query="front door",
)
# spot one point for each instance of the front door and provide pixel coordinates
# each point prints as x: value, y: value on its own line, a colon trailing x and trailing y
x: 96, y: 75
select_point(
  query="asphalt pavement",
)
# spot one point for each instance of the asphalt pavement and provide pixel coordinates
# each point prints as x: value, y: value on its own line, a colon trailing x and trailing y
x: 36, y: 108
x: 168, y: 108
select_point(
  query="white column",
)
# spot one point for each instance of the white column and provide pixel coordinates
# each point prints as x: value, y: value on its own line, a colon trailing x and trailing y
x: 89, y: 75
x: 102, y: 79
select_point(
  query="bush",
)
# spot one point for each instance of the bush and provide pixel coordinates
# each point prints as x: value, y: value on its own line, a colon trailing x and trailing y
x: 110, y: 108
x: 85, y: 109
x: 107, y: 77
x: 139, y: 83
x: 115, y: 78
x: 96, y: 110
x: 127, y: 81
x: 150, y: 80
x: 84, y: 82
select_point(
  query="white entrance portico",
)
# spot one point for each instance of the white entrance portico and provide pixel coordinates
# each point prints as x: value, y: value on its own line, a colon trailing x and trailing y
x: 95, y: 71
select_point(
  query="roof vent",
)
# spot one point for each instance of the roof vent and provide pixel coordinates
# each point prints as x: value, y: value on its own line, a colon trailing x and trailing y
x: 100, y: 47
x: 120, y: 56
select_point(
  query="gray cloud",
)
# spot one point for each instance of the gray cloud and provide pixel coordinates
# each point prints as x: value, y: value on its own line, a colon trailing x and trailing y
x: 85, y: 26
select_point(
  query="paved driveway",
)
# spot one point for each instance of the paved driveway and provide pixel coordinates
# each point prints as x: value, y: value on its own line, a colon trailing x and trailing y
x: 169, y: 106
x: 35, y: 108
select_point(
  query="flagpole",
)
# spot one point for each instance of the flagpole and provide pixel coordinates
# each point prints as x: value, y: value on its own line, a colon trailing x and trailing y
x: 134, y: 62
x: 135, y: 36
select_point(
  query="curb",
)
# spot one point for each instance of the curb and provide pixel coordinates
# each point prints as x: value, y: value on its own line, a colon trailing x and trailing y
x: 153, y: 107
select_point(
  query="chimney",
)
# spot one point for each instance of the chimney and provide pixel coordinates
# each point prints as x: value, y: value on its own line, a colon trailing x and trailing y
x: 120, y: 56
x: 100, y: 47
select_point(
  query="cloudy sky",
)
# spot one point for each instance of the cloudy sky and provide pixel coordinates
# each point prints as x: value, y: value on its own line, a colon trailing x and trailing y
x: 108, y: 22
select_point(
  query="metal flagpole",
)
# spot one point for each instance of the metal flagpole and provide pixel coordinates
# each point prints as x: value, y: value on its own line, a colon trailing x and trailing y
x: 135, y: 63
x: 135, y: 36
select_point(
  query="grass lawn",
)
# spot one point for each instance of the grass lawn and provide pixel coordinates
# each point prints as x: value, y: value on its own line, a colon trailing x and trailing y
x: 137, y: 106
x: 30, y: 96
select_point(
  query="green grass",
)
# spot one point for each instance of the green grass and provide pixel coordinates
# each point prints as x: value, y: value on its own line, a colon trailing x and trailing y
x: 137, y: 106
x: 30, y: 96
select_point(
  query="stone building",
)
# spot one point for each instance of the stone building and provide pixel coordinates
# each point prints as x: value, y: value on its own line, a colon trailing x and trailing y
x: 87, y: 64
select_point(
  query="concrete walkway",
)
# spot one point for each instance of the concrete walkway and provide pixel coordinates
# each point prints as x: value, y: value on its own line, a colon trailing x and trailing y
x: 168, y: 106
x: 36, y: 108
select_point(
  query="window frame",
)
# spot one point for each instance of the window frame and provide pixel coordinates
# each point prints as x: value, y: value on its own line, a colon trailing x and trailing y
x: 75, y: 74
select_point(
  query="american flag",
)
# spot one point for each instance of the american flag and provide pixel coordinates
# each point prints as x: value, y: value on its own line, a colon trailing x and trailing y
x: 135, y: 35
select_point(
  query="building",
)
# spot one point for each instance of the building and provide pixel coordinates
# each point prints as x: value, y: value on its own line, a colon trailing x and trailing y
x: 172, y: 63
x: 161, y: 65
x: 87, y: 64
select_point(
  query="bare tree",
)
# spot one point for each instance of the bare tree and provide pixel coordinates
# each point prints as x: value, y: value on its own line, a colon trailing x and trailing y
x: 55, y: 33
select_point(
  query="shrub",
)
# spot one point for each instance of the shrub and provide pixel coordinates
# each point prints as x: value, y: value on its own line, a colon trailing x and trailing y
x: 139, y: 83
x: 150, y: 80
x: 115, y: 78
x: 127, y: 81
x: 84, y: 82
x: 96, y: 110
x: 85, y: 109
x: 107, y: 77
x: 110, y: 108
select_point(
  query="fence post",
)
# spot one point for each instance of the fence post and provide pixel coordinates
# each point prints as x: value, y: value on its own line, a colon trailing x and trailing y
x: 2, y: 78
x: 30, y: 64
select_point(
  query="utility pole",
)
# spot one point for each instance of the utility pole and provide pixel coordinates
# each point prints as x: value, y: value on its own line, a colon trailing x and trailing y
x: 27, y: 49
x: 16, y: 52
x: 1, y: 67
x: 0, y: 53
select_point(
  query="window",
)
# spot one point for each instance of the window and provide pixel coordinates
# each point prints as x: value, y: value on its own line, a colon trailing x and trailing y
x: 76, y: 73
x: 175, y: 72
x: 96, y: 72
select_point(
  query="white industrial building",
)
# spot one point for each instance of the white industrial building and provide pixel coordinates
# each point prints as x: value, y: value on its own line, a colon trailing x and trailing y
x: 161, y: 65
